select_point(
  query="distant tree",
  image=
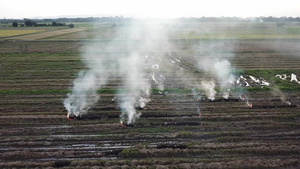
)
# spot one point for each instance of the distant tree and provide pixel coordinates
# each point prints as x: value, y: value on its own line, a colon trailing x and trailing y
x: 41, y: 24
x: 30, y: 23
x: 71, y: 25
x: 58, y: 24
x: 15, y: 24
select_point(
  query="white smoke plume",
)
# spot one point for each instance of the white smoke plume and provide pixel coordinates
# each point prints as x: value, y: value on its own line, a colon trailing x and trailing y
x: 209, y: 89
x: 84, y: 94
x: 221, y: 69
x: 125, y: 61
x: 138, y: 57
x: 84, y: 91
x: 137, y: 87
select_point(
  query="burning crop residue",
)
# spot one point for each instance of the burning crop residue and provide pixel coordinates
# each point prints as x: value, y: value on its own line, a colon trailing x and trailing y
x: 246, y: 101
x: 136, y: 71
x: 70, y: 117
x: 126, y: 125
x: 221, y: 69
x: 139, y: 70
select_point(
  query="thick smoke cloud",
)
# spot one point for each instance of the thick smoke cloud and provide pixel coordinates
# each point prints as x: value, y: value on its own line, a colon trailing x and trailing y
x: 209, y: 88
x: 84, y: 91
x: 140, y: 57
x: 136, y: 84
x: 221, y: 69
x: 134, y: 64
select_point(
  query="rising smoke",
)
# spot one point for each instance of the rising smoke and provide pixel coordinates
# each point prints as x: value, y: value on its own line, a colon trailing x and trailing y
x: 136, y: 67
x: 209, y: 89
x: 84, y: 91
x: 136, y: 84
x: 139, y: 57
x: 221, y: 69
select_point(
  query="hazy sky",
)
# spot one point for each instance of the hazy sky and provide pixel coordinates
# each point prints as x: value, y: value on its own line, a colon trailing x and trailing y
x: 147, y: 8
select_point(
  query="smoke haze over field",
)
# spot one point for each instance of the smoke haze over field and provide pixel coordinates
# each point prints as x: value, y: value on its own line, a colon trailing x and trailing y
x: 221, y: 69
x: 140, y: 56
x: 132, y: 64
x: 154, y: 8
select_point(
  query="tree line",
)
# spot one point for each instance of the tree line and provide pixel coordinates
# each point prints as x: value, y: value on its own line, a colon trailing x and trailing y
x: 29, y: 23
x: 116, y: 19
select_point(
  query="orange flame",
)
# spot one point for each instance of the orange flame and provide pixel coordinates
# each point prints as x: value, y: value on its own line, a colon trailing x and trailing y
x: 122, y: 124
x: 68, y: 116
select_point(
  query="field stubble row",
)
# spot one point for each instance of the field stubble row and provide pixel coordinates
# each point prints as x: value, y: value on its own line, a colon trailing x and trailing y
x: 35, y: 131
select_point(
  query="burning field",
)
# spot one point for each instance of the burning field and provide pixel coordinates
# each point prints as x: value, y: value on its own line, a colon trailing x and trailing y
x: 144, y: 99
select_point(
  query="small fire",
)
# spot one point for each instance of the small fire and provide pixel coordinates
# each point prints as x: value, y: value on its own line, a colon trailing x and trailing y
x: 249, y: 104
x: 122, y: 124
x: 129, y: 125
x: 68, y: 116
x: 199, y: 99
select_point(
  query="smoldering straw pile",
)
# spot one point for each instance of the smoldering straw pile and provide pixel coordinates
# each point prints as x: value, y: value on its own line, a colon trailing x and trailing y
x: 140, y: 70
